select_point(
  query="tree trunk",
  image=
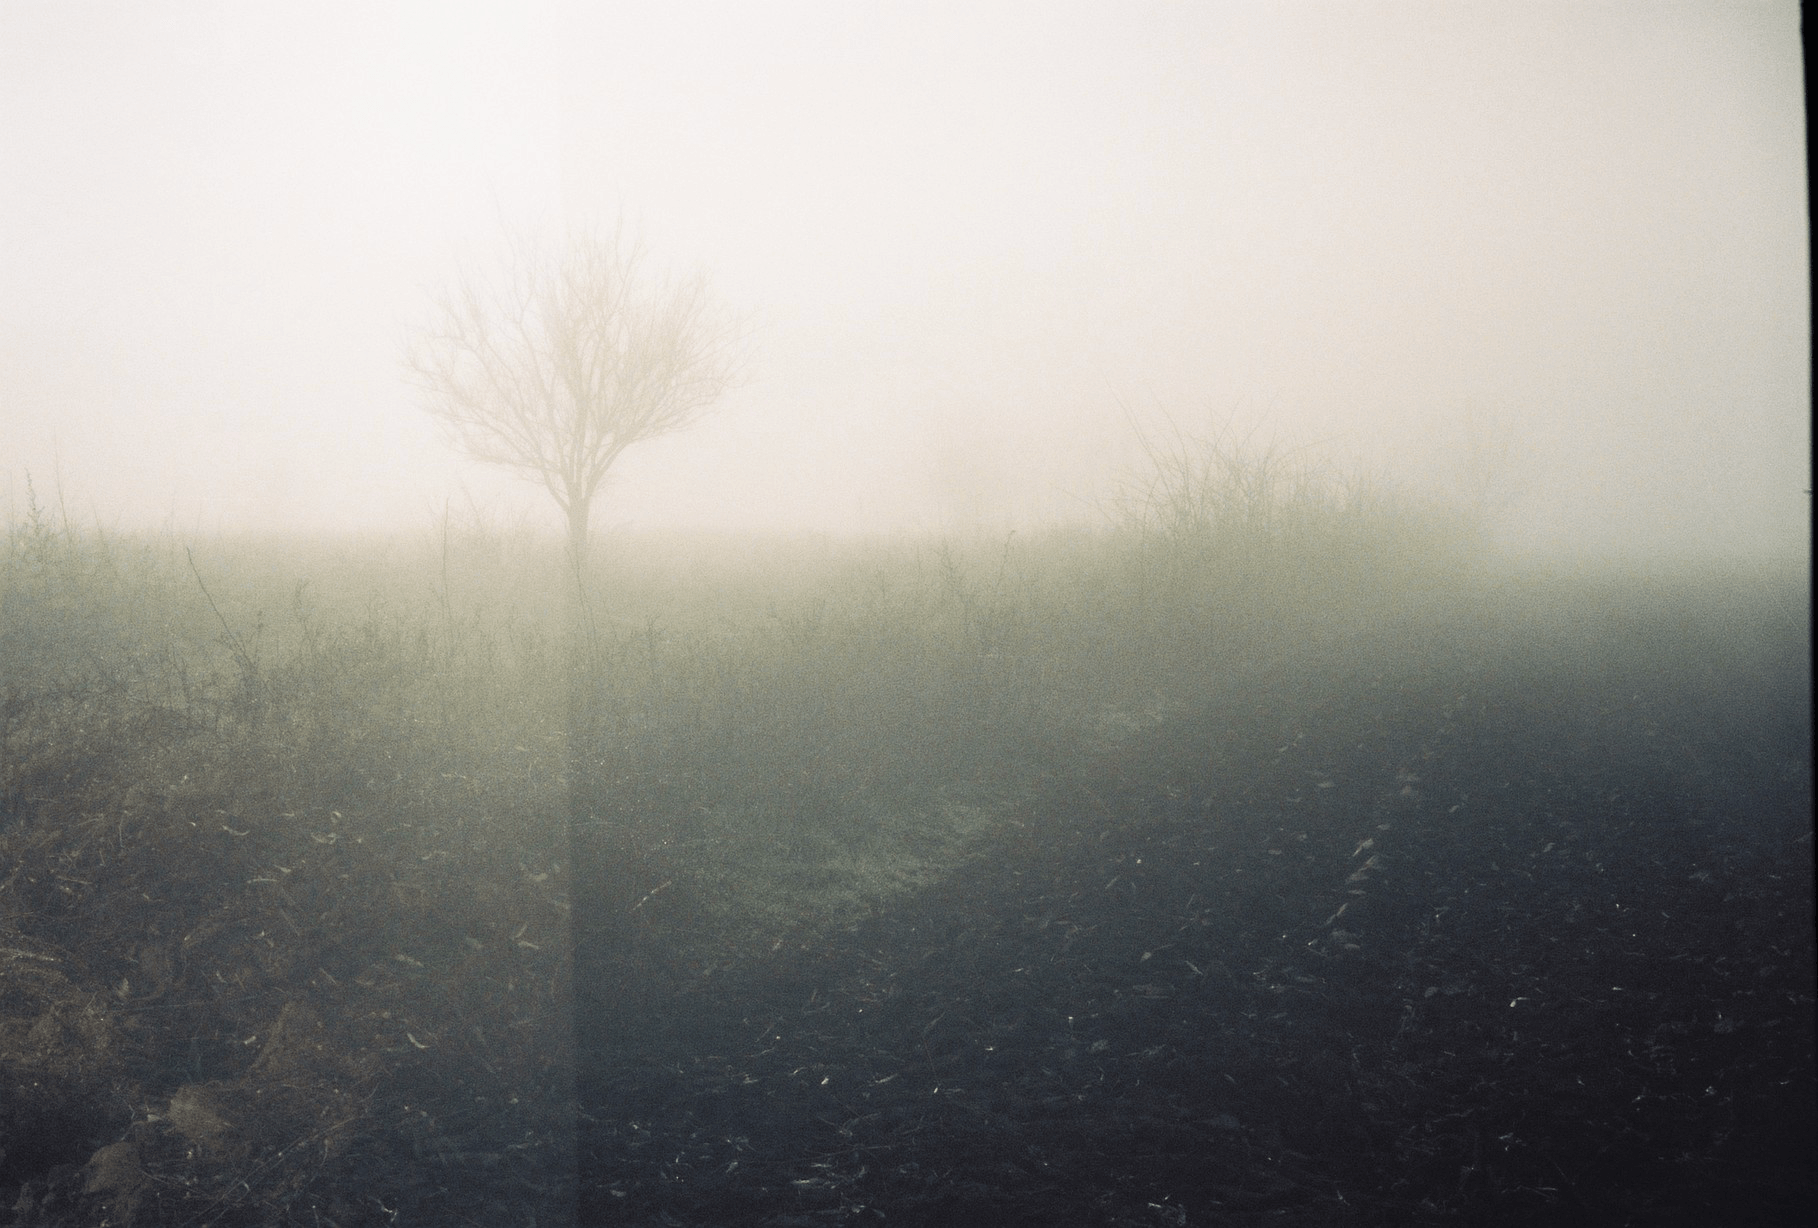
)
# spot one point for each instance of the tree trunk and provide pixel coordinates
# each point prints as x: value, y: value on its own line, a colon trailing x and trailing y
x: 584, y: 908
x: 609, y: 987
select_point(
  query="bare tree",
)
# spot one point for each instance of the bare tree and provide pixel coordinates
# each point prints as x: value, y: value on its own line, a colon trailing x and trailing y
x: 551, y: 363
x: 555, y: 360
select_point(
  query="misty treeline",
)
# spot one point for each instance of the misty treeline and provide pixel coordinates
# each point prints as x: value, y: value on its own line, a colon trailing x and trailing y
x: 803, y: 688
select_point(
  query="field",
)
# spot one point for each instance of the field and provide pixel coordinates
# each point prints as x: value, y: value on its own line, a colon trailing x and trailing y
x: 1273, y: 855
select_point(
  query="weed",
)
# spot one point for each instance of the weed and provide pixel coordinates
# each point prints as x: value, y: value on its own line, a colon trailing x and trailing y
x: 332, y: 845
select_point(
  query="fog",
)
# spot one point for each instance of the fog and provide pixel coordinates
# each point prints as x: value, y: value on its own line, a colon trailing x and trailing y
x: 975, y: 241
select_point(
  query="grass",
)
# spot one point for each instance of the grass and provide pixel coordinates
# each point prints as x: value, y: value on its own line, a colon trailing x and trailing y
x: 281, y: 822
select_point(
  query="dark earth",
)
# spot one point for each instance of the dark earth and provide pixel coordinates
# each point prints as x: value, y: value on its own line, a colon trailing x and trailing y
x: 1481, y: 942
x: 1511, y: 931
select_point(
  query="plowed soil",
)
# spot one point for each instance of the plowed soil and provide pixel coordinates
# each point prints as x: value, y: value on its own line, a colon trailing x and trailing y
x: 1507, y: 927
x: 1473, y: 942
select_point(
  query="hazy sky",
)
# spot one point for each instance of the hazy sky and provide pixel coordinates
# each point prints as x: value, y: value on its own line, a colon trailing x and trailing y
x: 968, y: 234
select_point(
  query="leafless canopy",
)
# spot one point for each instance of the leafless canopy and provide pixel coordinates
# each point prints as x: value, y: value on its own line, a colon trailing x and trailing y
x: 555, y: 360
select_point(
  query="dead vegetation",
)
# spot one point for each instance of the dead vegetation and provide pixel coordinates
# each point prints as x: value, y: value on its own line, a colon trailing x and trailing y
x: 985, y: 884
